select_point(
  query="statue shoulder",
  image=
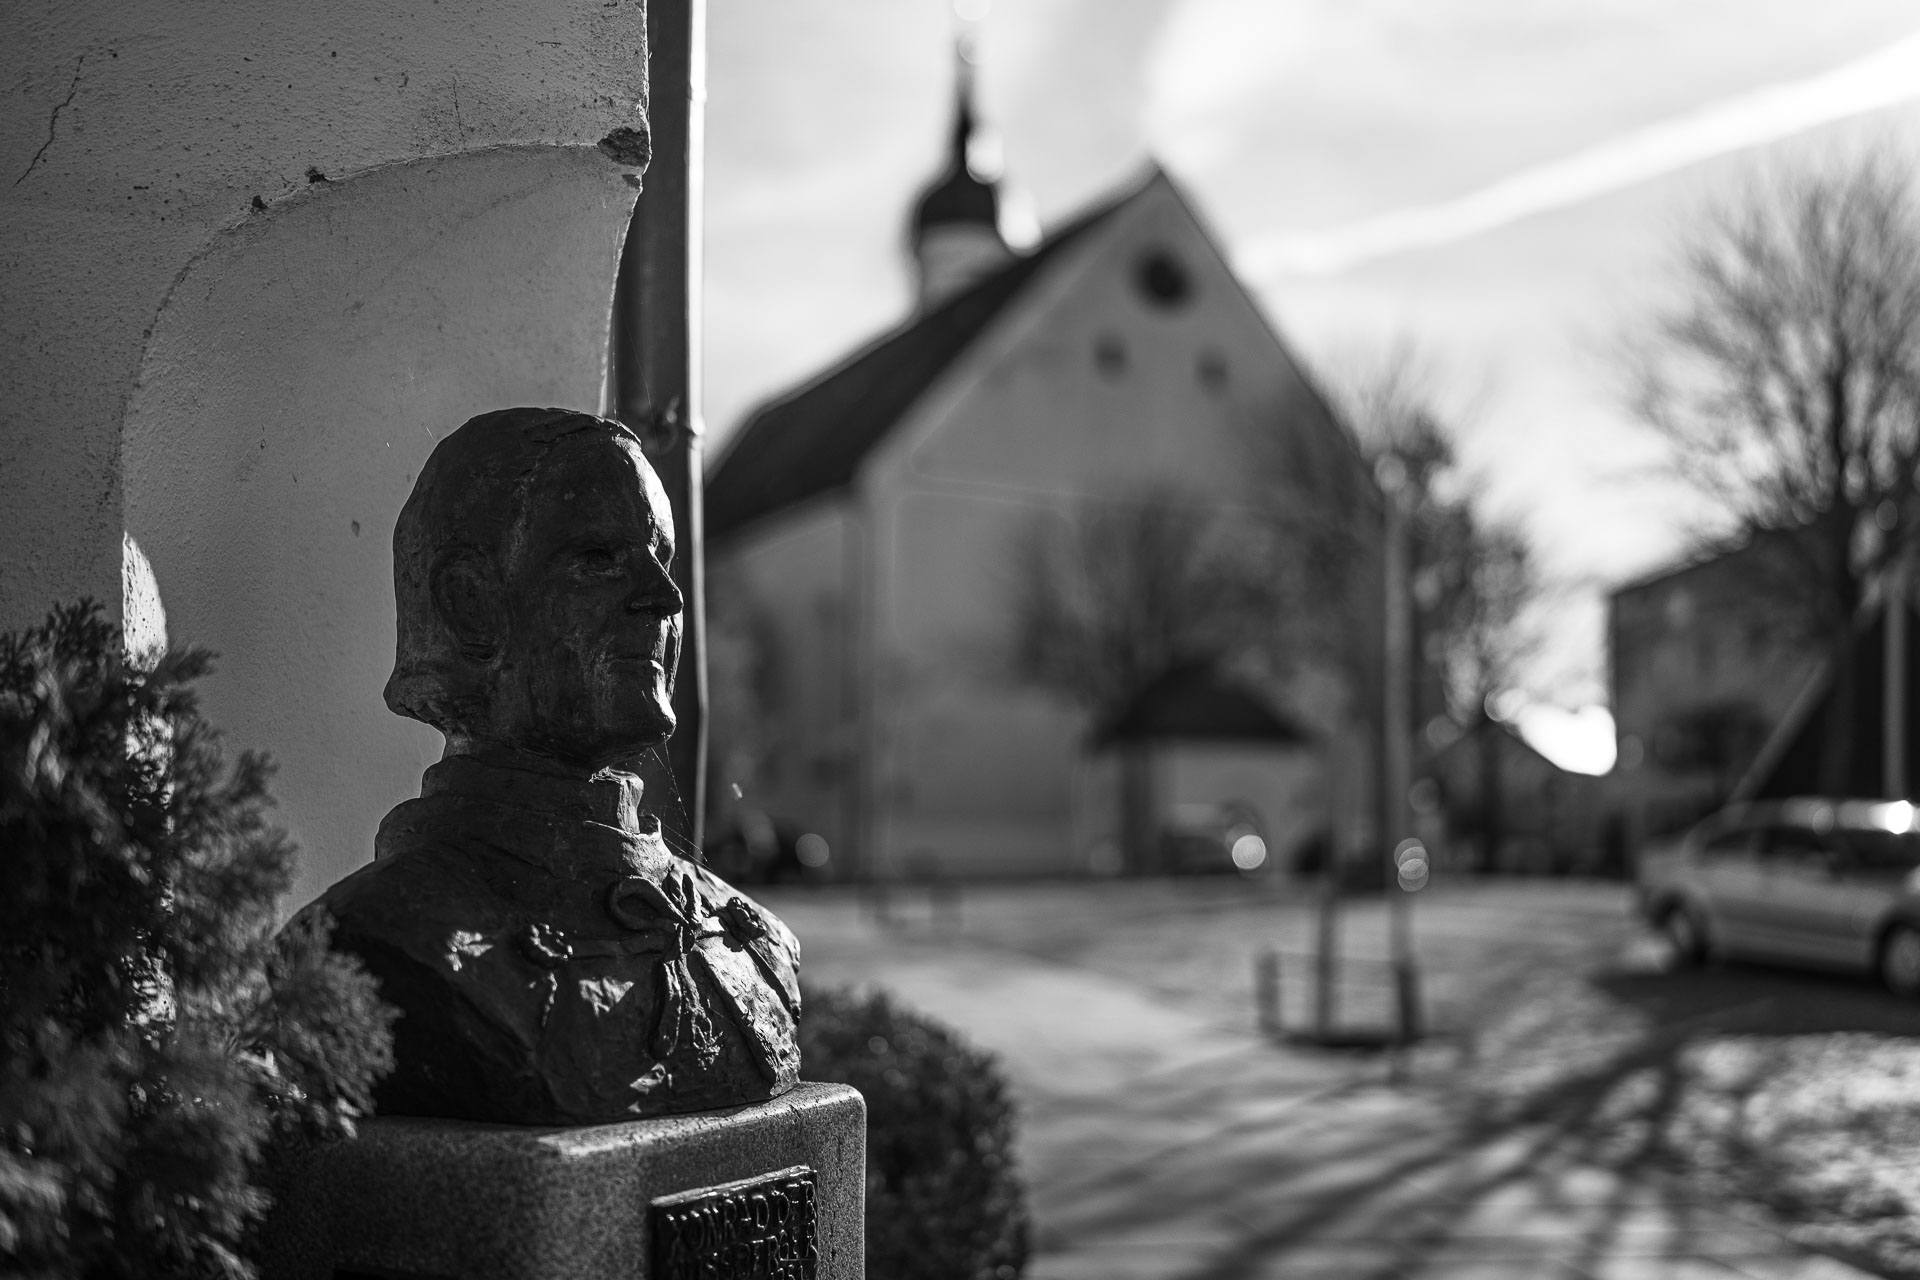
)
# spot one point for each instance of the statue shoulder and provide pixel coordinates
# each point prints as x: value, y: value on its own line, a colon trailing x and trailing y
x: 414, y: 902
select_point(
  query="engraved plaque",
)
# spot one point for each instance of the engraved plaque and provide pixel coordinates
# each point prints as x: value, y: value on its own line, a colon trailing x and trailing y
x: 755, y: 1229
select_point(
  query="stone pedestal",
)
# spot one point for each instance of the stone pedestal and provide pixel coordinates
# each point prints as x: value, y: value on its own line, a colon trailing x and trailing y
x: 718, y: 1193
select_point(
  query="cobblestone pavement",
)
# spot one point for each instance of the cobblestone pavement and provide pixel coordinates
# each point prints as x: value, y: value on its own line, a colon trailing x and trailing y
x: 1160, y: 1142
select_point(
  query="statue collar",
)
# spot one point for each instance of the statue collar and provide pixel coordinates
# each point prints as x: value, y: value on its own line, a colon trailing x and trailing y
x: 609, y: 797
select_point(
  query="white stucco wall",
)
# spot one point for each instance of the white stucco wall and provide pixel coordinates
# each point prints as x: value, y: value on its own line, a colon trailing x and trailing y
x: 253, y: 259
x: 791, y: 573
x: 971, y: 770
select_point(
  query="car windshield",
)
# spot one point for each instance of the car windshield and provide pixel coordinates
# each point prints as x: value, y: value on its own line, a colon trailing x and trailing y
x: 1893, y: 851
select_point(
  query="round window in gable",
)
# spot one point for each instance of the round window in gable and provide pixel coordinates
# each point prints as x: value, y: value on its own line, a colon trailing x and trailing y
x: 1162, y: 280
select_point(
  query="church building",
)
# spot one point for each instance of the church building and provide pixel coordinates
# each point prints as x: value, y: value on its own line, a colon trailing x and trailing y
x: 863, y: 532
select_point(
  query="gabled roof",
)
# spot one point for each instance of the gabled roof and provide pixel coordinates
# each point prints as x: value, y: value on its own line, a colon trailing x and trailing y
x: 1763, y: 548
x: 812, y: 441
x: 1199, y: 702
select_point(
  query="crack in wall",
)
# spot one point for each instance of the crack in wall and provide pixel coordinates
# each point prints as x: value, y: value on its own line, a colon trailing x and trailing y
x: 53, y: 121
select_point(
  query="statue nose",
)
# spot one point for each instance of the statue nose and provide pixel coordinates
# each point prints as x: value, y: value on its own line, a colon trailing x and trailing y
x: 655, y: 593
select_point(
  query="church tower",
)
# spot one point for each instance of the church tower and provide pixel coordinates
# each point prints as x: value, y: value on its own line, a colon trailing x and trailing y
x: 955, y: 232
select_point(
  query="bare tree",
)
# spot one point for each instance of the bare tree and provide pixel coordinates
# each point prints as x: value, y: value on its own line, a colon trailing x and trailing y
x: 1786, y: 385
x: 1117, y: 591
x: 1474, y: 578
x: 1111, y: 595
x: 1474, y: 584
x: 1474, y: 590
x: 1473, y: 575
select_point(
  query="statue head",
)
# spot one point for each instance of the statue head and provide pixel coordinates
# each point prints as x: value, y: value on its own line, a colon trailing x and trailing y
x: 536, y: 610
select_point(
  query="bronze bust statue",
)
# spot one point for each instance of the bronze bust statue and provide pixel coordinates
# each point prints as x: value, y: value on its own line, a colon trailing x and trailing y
x: 553, y: 961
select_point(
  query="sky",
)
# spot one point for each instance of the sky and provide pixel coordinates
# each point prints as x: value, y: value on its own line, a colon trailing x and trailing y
x: 1501, y: 183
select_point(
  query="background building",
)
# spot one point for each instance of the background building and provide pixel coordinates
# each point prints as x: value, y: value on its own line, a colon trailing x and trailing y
x: 864, y: 530
x: 1701, y: 670
x: 1798, y: 758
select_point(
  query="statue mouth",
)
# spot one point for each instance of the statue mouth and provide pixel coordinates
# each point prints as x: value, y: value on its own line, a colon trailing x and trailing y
x: 650, y: 657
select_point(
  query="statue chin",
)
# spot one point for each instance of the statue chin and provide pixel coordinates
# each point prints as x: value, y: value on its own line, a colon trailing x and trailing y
x: 638, y: 723
x: 618, y: 742
x: 614, y: 729
x: 626, y: 752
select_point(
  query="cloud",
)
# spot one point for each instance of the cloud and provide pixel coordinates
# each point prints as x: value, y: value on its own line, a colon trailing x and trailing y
x: 1210, y: 60
x: 1211, y: 56
x: 1881, y: 79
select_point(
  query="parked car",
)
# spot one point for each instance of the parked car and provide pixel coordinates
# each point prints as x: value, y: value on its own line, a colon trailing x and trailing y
x: 1830, y: 884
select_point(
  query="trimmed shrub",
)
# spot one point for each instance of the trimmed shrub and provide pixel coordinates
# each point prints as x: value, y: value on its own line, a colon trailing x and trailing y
x: 154, y: 1034
x: 944, y: 1197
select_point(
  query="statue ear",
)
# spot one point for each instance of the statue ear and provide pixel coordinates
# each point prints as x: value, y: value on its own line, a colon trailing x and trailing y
x: 468, y: 598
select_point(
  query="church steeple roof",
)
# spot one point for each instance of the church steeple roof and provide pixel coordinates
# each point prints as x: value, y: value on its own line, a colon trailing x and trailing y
x: 958, y: 196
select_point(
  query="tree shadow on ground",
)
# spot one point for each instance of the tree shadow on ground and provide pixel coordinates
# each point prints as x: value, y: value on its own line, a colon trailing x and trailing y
x: 1662, y: 1102
x: 1575, y: 1163
x: 1770, y: 1000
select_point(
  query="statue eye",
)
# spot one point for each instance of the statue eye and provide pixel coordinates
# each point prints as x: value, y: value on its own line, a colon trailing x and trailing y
x: 596, y: 560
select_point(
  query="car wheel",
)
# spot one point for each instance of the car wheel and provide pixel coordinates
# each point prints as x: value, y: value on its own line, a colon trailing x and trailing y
x: 1686, y: 935
x: 1900, y: 961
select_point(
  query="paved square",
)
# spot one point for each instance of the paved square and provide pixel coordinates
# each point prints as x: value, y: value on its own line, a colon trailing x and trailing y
x: 1159, y: 1140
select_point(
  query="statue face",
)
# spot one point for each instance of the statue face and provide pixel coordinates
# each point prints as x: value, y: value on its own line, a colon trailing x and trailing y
x: 593, y: 616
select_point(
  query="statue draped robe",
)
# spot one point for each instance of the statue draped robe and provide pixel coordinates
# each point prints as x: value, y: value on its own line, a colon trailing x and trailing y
x: 554, y: 963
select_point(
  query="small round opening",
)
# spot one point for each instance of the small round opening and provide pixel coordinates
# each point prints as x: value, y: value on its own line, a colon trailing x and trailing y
x: 1161, y: 279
